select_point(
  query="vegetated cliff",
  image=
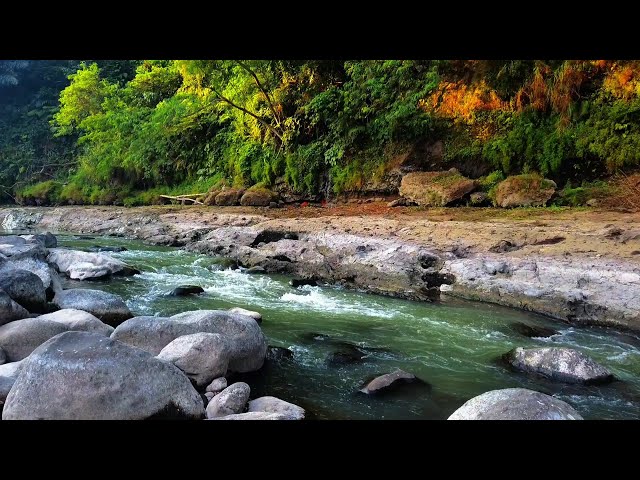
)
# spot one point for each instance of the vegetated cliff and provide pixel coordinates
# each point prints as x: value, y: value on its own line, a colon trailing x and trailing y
x: 124, y: 132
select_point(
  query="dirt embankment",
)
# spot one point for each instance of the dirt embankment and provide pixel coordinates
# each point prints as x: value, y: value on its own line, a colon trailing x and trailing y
x: 578, y: 266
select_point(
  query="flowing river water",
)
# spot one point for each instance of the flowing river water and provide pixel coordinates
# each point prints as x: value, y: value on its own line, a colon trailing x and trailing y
x: 454, y: 346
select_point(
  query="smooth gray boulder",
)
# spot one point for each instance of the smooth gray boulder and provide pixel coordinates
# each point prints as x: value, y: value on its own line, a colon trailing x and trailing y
x: 249, y: 313
x: 216, y: 386
x: 80, y: 265
x: 559, y: 364
x: 8, y: 375
x: 389, y: 381
x: 86, y: 376
x: 252, y: 416
x: 201, y: 356
x: 10, y: 310
x: 232, y: 399
x: 247, y: 343
x: 515, y: 404
x: 268, y: 404
x: 25, y: 288
x: 108, y: 307
x: 17, y: 248
x: 21, y: 337
x: 3, y: 357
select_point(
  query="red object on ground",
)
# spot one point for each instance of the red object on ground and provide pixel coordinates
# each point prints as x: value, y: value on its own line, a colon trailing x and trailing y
x: 304, y: 204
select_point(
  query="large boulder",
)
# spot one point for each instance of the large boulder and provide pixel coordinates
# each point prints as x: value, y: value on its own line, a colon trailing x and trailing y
x: 515, y: 404
x: 36, y: 265
x: 288, y: 410
x: 229, y: 197
x: 108, y: 307
x: 10, y: 310
x: 389, y: 381
x: 231, y: 400
x: 3, y: 357
x: 247, y: 344
x: 17, y: 248
x: 86, y: 376
x: 435, y: 189
x: 8, y: 375
x: 25, y: 288
x: 257, y: 197
x: 528, y: 190
x: 86, y: 265
x: 201, y: 356
x: 559, y: 364
x: 21, y: 337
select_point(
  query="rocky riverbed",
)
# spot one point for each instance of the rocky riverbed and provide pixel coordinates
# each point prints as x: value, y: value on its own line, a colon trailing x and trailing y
x: 74, y: 346
x: 579, y: 267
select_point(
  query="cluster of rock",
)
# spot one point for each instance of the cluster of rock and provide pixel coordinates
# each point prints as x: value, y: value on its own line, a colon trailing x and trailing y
x: 556, y: 364
x: 442, y: 188
x: 71, y: 363
x: 252, y: 197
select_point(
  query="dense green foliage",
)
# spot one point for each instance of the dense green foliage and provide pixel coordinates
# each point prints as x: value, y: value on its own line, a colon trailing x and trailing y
x: 125, y: 131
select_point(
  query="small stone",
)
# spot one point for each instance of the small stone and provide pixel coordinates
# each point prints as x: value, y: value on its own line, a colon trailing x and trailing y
x: 218, y: 385
x: 232, y: 399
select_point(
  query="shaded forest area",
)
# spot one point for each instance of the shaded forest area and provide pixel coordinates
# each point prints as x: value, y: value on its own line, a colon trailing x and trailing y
x: 124, y: 132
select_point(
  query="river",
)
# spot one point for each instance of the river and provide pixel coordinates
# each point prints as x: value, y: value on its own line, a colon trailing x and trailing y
x: 454, y: 346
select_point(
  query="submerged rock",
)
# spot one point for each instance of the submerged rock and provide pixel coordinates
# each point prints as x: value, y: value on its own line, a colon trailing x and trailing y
x: 347, y: 355
x: 515, y: 404
x: 25, y: 288
x: 300, y: 282
x: 201, y: 356
x: 98, y: 249
x: 256, y: 269
x: 275, y: 405
x: 532, y: 331
x: 247, y: 343
x: 185, y: 290
x: 108, y: 307
x: 232, y: 399
x: 80, y: 265
x: 21, y: 337
x: 389, y: 381
x: 86, y: 376
x: 559, y: 364
x: 249, y: 313
x: 278, y: 353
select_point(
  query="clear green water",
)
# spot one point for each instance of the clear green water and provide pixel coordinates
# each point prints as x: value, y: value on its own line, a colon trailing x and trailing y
x: 454, y: 345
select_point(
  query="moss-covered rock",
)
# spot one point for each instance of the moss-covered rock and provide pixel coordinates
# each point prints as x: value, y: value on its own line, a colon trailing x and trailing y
x: 210, y: 198
x: 435, y: 189
x: 528, y: 190
x: 257, y: 197
x: 230, y: 196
